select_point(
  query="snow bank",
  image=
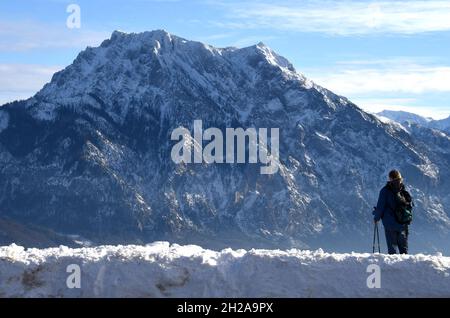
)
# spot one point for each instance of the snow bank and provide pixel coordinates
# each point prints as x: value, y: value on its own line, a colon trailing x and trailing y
x: 164, y: 270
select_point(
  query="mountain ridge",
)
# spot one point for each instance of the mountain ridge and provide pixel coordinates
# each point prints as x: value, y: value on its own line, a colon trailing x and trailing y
x: 89, y: 154
x: 428, y: 122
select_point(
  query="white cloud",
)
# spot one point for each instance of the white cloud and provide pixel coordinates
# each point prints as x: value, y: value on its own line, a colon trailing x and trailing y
x: 20, y: 81
x: 394, y: 84
x: 340, y: 17
x: 26, y: 35
x: 398, y: 77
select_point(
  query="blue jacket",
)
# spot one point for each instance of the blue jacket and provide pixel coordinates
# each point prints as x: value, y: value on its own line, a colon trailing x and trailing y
x: 385, y: 210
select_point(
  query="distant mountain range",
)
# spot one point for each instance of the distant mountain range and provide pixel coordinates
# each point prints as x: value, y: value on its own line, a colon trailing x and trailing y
x: 88, y: 157
x: 402, y: 116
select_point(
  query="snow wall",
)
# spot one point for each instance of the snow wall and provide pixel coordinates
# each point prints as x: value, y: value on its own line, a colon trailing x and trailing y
x: 164, y: 270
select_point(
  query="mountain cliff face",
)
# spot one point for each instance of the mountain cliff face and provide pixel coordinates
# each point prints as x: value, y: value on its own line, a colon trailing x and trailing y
x: 89, y: 154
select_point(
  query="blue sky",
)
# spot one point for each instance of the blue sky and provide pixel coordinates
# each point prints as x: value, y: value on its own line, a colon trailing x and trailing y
x: 380, y: 54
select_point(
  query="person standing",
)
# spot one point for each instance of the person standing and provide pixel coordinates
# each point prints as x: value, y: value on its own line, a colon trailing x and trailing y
x: 394, y: 208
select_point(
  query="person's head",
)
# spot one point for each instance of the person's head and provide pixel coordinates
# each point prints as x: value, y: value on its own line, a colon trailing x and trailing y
x: 395, y: 177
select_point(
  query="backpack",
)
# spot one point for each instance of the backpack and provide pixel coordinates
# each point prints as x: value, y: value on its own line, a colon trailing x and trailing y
x: 403, y: 207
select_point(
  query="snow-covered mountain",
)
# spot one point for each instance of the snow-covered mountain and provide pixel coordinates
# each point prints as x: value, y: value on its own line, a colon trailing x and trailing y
x: 402, y: 117
x: 442, y: 124
x: 89, y: 154
x: 163, y: 270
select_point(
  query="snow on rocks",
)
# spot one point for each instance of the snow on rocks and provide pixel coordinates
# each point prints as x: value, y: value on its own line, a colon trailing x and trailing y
x: 164, y: 270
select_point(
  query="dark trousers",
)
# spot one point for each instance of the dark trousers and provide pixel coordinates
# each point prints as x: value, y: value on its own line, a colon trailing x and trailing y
x: 396, y: 239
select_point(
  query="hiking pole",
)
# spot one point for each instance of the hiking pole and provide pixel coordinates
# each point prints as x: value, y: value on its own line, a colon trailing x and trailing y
x: 377, y: 235
x: 374, y: 233
x: 378, y: 239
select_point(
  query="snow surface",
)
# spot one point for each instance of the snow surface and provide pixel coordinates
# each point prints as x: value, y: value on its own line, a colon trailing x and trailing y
x: 163, y: 270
